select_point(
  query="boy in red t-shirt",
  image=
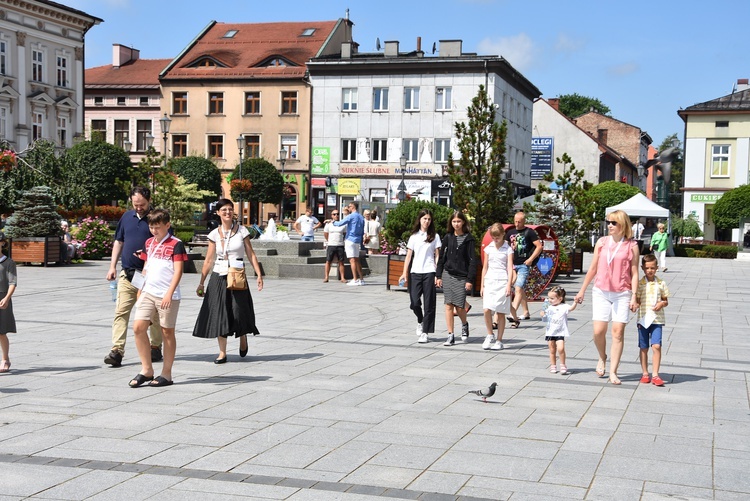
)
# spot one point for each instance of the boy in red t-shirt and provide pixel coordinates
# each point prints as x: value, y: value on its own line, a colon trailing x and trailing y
x: 165, y: 257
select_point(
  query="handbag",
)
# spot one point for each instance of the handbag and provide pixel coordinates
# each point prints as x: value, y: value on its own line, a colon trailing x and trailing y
x: 365, y: 236
x: 236, y: 279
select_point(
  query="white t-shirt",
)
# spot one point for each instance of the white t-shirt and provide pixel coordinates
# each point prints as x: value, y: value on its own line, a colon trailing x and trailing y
x: 423, y: 257
x: 307, y: 225
x: 236, y: 247
x: 335, y: 234
x: 557, y: 320
x: 497, y: 264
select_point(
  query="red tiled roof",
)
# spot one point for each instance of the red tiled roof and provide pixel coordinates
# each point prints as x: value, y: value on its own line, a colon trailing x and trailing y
x: 139, y: 73
x: 252, y: 45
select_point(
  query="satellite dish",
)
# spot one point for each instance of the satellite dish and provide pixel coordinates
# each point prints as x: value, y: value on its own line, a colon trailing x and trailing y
x: 377, y: 44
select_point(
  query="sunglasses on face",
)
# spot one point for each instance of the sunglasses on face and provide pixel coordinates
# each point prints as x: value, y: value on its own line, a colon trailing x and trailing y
x: 611, y: 223
x: 334, y: 213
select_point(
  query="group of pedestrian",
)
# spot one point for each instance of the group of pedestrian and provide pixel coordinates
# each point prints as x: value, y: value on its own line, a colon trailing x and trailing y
x: 450, y: 264
x: 152, y: 261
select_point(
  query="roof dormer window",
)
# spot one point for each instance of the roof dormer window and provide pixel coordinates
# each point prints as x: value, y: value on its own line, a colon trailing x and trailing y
x: 207, y: 62
x: 275, y: 61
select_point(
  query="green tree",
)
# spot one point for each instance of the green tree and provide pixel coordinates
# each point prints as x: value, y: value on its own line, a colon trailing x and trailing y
x: 35, y: 215
x: 676, y: 176
x: 37, y: 165
x: 182, y: 199
x: 267, y: 182
x: 479, y: 187
x: 95, y: 170
x: 610, y: 193
x: 731, y: 207
x: 575, y: 105
x: 687, y: 227
x: 574, y: 199
x: 199, y: 171
x: 400, y: 221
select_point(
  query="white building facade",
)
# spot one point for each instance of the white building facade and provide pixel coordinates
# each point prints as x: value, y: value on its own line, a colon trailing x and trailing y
x: 369, y: 110
x: 41, y: 72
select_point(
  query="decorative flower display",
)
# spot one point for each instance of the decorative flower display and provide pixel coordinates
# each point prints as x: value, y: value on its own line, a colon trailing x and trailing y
x: 8, y: 160
x: 240, y: 188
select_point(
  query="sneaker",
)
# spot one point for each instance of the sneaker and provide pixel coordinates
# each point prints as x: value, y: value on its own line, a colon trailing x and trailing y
x: 114, y: 358
x: 497, y: 346
x: 351, y: 283
x: 360, y: 282
x: 419, y: 330
x: 563, y: 370
x: 488, y: 342
x: 156, y: 354
x: 423, y: 338
x: 450, y: 341
x: 553, y: 369
x: 465, y: 332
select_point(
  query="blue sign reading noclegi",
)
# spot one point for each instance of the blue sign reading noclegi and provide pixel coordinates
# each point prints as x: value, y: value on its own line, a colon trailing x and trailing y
x: 541, y: 156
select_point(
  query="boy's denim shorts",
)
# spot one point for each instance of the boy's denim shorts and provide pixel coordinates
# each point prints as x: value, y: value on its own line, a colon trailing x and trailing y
x: 651, y: 333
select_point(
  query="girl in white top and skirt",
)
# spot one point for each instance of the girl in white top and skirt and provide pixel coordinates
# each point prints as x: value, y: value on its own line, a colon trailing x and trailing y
x: 498, y: 277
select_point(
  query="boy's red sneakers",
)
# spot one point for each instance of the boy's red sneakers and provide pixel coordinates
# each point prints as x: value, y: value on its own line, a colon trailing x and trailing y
x: 645, y: 379
x: 657, y: 381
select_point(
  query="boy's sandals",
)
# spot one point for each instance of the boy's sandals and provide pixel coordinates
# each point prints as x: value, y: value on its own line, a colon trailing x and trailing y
x: 563, y: 370
x: 5, y: 366
x: 600, y: 365
x: 645, y: 379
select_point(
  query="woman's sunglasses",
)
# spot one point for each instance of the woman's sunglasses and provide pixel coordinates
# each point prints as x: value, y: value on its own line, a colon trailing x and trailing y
x: 611, y: 223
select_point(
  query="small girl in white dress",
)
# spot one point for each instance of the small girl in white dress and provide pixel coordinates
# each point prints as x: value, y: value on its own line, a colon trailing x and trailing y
x: 555, y: 313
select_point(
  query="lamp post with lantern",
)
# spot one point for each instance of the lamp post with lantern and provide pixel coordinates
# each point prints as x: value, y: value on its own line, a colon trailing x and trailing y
x: 164, y: 122
x: 241, y: 148
x: 282, y: 161
x: 402, y: 186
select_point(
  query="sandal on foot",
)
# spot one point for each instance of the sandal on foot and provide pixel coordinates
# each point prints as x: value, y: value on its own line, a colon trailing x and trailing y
x: 468, y: 307
x: 553, y: 369
x: 645, y: 379
x: 160, y: 381
x: 563, y: 370
x: 139, y: 380
x: 514, y: 324
x: 494, y: 326
x: 5, y: 366
x: 657, y: 381
x: 600, y: 366
x: 527, y: 317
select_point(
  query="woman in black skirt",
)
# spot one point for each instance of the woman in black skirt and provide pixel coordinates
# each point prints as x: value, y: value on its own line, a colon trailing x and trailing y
x: 226, y: 312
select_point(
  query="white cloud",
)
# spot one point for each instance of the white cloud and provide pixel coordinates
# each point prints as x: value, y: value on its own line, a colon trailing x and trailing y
x: 518, y: 50
x: 566, y: 43
x: 623, y: 69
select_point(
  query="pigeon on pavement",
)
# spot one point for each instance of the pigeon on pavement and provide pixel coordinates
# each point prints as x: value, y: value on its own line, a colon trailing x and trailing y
x: 485, y: 393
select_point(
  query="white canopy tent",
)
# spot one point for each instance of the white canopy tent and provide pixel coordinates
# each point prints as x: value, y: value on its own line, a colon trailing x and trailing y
x: 640, y: 206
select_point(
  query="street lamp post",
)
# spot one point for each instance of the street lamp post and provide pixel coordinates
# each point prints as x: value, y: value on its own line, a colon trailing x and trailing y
x: 165, y: 122
x: 402, y: 186
x: 241, y: 147
x: 282, y: 161
x: 127, y: 146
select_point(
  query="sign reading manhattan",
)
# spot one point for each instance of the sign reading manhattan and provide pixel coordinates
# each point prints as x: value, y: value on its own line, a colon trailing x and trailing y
x: 541, y: 156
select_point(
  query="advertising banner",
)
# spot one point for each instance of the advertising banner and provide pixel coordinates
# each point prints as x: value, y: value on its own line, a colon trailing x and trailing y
x: 321, y: 160
x: 542, y: 156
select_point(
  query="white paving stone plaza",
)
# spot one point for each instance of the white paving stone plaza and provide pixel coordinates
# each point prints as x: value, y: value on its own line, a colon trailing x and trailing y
x: 337, y: 401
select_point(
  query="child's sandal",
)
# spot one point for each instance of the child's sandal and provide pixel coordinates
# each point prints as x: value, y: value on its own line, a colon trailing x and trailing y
x: 563, y: 370
x: 553, y: 369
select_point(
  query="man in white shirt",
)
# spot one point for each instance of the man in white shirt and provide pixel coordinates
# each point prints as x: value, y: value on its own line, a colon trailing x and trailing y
x: 306, y: 225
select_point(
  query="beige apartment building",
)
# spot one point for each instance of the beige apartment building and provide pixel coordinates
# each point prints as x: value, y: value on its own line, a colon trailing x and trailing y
x: 247, y: 84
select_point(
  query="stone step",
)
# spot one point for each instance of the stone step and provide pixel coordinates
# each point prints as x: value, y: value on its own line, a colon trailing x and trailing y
x: 315, y: 271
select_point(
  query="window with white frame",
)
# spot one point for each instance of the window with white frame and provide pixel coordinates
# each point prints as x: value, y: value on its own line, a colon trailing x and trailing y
x: 122, y: 132
x: 380, y: 99
x: 3, y: 56
x: 442, y: 149
x: 289, y: 142
x: 379, y: 150
x: 142, y: 131
x: 143, y: 101
x: 411, y: 98
x: 378, y: 195
x: 443, y: 98
x: 98, y: 100
x: 179, y: 145
x: 37, y: 126
x: 348, y: 150
x: 411, y: 150
x: 62, y: 131
x: 252, y: 146
x: 720, y: 160
x: 216, y: 146
x: 4, y: 113
x: 62, y: 70
x: 349, y: 99
x: 37, y: 65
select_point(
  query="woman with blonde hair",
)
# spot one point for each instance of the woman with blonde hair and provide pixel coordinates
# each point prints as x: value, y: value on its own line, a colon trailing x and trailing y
x: 614, y: 270
x: 659, y: 241
x: 372, y: 230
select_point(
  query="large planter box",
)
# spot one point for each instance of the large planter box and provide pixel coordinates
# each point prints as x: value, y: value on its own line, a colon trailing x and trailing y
x: 36, y: 250
x: 395, y: 269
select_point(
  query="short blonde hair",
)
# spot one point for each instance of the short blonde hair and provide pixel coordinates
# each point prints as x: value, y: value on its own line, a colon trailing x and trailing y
x: 623, y: 220
x: 660, y: 226
x: 497, y: 230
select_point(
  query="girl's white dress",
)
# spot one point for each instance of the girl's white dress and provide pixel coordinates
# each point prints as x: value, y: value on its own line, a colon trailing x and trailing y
x: 496, y: 279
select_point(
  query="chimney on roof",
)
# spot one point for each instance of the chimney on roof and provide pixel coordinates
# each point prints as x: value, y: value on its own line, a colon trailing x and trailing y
x: 601, y: 135
x: 122, y: 55
x: 742, y: 84
x: 450, y: 48
x: 419, y: 47
x: 346, y: 50
x: 391, y: 49
x: 554, y: 102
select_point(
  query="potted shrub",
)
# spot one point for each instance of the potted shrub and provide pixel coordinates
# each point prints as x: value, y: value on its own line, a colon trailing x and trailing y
x: 34, y: 228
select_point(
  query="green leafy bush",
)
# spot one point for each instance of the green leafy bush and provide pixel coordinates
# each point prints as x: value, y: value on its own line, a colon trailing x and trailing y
x: 400, y: 221
x: 721, y: 251
x: 688, y: 252
x: 95, y: 238
x: 700, y: 253
x: 731, y: 207
x: 35, y: 215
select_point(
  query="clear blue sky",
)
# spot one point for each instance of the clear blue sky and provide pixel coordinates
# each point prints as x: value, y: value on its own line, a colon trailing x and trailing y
x: 643, y: 59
